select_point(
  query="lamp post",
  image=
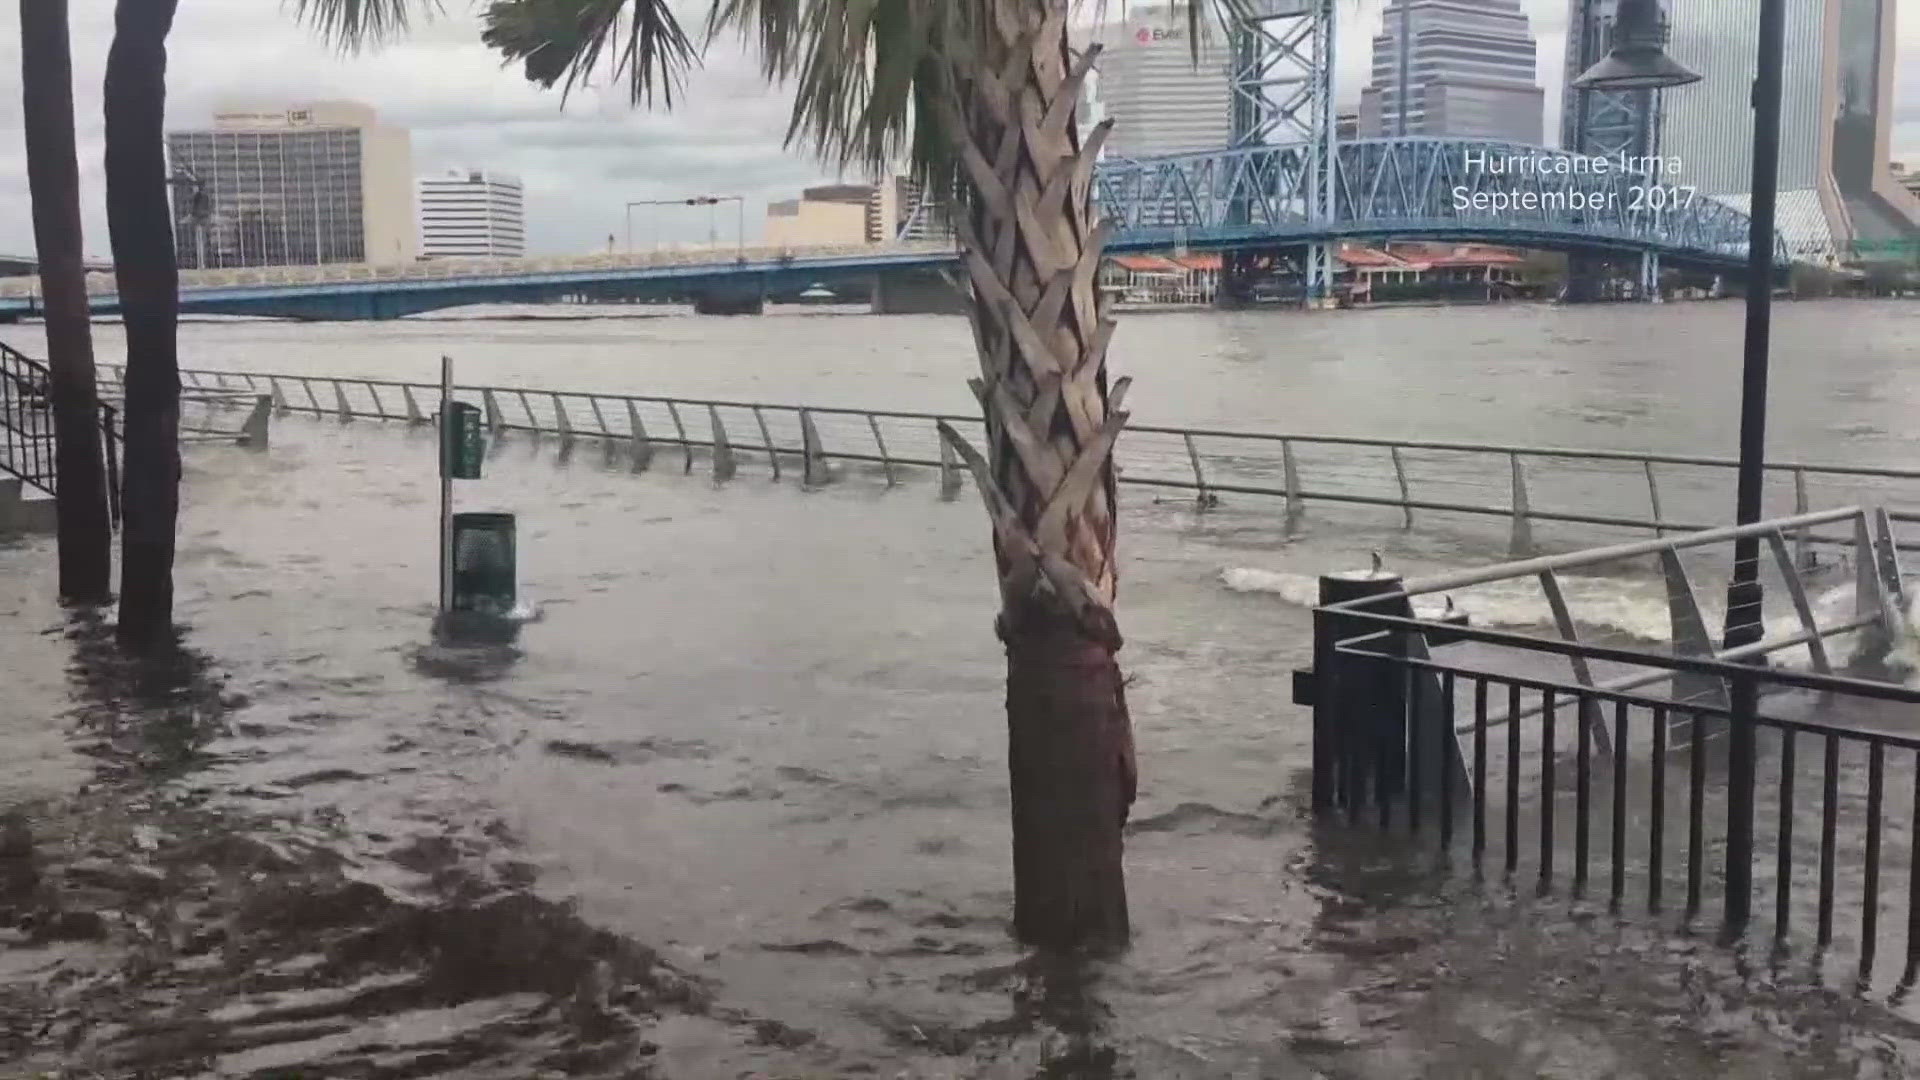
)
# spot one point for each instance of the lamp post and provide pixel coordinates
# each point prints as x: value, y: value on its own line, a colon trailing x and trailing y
x: 1638, y: 61
x: 708, y: 201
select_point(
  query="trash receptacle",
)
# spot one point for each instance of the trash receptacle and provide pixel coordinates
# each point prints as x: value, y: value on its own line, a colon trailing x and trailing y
x: 484, y: 572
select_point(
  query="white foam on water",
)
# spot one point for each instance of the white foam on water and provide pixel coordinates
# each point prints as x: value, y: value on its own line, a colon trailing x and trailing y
x: 1637, y: 608
x: 1632, y: 607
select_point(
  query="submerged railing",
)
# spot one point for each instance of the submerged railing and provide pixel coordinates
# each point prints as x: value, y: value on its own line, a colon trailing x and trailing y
x: 1523, y: 485
x: 1511, y: 754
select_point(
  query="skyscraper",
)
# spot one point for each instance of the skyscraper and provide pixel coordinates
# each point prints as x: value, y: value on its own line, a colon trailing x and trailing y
x: 1837, y: 191
x: 1160, y: 100
x: 471, y: 213
x: 292, y: 185
x: 1599, y: 122
x: 1468, y: 70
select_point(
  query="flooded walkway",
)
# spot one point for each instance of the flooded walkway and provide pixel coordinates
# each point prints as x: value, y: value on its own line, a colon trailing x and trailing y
x: 736, y: 807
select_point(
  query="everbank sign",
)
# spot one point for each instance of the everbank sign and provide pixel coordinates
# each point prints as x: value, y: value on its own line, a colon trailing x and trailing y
x: 1148, y: 35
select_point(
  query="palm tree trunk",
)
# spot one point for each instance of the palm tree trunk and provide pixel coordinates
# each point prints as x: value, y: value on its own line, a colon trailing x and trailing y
x: 1032, y: 254
x: 140, y: 223
x: 53, y: 178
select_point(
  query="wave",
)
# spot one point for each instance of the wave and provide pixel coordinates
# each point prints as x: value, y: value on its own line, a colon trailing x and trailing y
x: 1635, y: 607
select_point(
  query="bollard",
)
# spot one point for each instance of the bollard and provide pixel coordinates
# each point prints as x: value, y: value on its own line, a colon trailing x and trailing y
x: 1361, y: 729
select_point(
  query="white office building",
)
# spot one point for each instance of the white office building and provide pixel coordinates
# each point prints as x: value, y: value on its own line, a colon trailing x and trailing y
x: 1461, y: 68
x: 292, y: 185
x: 1148, y: 84
x: 470, y: 213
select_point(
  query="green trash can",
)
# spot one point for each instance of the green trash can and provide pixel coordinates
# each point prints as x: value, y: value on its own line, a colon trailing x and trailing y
x: 484, y: 573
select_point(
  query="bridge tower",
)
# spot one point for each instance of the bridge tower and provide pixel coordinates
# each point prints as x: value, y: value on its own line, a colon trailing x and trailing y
x: 1283, y: 96
x: 1604, y: 123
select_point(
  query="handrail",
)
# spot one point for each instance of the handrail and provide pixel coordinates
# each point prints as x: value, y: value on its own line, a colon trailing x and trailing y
x: 1394, y: 481
x: 1311, y: 439
x: 1531, y: 567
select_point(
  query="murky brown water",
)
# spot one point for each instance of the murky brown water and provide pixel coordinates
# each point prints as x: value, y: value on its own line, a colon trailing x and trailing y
x: 736, y: 805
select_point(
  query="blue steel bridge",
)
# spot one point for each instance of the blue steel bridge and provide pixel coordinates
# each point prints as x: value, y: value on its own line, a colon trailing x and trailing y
x: 1256, y: 198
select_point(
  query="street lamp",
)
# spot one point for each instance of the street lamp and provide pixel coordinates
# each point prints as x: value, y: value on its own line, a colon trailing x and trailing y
x: 1638, y: 61
x: 1636, y: 56
x: 697, y: 200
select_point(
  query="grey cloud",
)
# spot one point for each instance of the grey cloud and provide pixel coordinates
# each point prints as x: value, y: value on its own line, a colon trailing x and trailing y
x: 582, y: 163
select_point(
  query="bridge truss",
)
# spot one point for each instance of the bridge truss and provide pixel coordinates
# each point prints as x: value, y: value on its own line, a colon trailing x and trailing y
x: 1416, y: 186
x: 1282, y: 87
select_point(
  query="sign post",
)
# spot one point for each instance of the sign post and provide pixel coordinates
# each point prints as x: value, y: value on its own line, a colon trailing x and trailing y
x: 447, y: 428
x: 462, y: 448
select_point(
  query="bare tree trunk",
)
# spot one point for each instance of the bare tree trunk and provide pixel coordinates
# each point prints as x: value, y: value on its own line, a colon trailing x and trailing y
x: 53, y: 178
x: 140, y: 223
x: 1032, y: 256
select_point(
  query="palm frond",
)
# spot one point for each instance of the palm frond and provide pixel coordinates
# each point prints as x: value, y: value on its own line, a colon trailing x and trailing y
x: 564, y: 41
x: 866, y: 75
x: 352, y: 24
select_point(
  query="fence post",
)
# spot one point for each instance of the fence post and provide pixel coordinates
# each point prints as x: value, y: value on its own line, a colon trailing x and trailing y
x: 813, y: 462
x: 766, y: 440
x: 642, y: 449
x: 1582, y: 673
x: 1690, y: 634
x: 1204, y: 498
x: 1653, y: 496
x: 680, y: 429
x: 1803, y: 548
x: 1521, y: 543
x: 561, y: 420
x: 413, y: 407
x: 949, y: 472
x: 340, y: 396
x: 1802, y: 609
x: 886, y: 463
x: 1406, y: 496
x: 253, y: 433
x: 312, y: 398
x: 722, y: 449
x: 279, y: 397
x: 107, y: 414
x: 373, y: 392
x: 1890, y: 572
x: 495, y: 422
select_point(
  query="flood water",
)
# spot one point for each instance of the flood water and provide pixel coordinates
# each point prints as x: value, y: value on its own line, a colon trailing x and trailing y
x: 736, y: 805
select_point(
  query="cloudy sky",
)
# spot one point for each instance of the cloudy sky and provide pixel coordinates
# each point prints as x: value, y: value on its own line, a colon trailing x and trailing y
x: 580, y: 164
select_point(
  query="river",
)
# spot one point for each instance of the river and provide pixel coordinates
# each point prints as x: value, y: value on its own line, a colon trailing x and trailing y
x: 742, y: 788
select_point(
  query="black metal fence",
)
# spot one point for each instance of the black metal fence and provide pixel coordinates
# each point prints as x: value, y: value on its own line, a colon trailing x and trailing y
x: 1467, y: 740
x: 26, y: 428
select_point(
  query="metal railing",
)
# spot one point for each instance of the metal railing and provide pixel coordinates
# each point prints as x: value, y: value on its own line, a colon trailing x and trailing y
x: 26, y: 428
x: 1524, y: 486
x: 1635, y: 785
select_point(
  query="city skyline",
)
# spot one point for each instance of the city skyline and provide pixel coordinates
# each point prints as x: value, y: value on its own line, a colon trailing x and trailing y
x: 582, y: 164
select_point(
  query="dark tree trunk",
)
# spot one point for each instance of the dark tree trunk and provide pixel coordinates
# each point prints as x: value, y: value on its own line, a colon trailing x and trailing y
x: 53, y: 178
x: 1032, y: 249
x: 140, y: 223
x: 1070, y: 756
